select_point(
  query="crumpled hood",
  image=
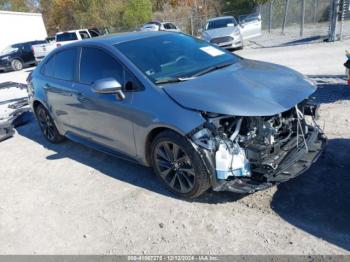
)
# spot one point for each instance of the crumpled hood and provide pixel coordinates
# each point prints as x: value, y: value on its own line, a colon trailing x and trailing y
x: 247, y: 88
x: 220, y: 32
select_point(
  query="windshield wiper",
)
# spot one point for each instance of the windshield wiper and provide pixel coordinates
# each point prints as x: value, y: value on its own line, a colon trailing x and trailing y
x: 211, y: 69
x: 173, y: 80
x: 200, y: 73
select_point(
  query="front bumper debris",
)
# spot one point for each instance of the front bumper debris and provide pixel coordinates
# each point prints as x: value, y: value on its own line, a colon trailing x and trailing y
x: 14, y: 108
x: 296, y: 162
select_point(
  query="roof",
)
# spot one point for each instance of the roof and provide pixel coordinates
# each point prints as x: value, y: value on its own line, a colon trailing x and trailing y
x: 124, y: 37
x: 219, y: 18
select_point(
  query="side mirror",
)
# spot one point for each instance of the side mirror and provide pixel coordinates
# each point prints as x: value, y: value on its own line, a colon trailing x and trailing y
x: 108, y: 86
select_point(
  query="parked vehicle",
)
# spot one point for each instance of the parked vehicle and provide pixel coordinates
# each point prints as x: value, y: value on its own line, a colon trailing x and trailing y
x: 63, y: 38
x: 17, y: 56
x: 200, y: 116
x: 42, y: 50
x: 160, y: 26
x: 347, y: 67
x: 226, y: 32
x: 18, y: 27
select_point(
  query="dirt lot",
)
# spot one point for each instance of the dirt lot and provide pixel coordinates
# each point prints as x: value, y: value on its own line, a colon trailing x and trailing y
x: 69, y: 199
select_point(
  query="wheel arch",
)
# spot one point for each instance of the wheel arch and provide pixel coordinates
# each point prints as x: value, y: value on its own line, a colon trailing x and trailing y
x: 17, y: 58
x: 152, y: 135
x: 36, y: 103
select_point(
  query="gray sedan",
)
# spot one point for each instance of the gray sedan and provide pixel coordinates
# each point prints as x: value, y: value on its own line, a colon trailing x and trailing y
x: 201, y: 117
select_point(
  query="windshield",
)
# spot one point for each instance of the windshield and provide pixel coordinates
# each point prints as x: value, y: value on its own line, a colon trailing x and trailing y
x: 9, y: 50
x: 66, y: 37
x: 225, y: 22
x: 174, y: 56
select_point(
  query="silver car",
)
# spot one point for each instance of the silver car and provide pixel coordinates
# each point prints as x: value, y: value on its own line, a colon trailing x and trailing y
x: 159, y: 26
x: 228, y: 33
x: 199, y: 116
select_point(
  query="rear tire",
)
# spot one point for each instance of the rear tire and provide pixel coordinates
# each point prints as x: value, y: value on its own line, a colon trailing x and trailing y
x: 47, y: 125
x: 16, y: 65
x: 178, y: 165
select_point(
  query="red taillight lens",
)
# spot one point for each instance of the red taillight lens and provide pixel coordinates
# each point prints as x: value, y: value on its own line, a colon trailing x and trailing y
x: 58, y: 45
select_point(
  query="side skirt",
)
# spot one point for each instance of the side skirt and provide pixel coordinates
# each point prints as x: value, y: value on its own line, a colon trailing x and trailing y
x: 109, y: 151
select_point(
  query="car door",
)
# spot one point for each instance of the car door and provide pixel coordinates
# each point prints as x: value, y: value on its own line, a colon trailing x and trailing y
x: 27, y: 54
x: 103, y: 118
x: 250, y: 26
x: 59, y: 75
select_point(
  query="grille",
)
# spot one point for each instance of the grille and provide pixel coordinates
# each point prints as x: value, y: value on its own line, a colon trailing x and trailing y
x: 219, y: 40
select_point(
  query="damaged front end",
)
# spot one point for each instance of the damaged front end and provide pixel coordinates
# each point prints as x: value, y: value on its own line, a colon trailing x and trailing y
x: 247, y: 154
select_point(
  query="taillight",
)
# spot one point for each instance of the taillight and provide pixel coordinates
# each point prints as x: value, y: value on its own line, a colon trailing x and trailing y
x: 58, y: 45
x: 348, y: 73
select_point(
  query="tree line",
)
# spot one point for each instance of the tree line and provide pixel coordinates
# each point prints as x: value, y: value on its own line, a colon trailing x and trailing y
x: 118, y: 15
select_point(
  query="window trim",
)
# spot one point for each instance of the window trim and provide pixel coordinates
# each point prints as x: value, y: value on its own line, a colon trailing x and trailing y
x: 53, y: 56
x: 116, y: 59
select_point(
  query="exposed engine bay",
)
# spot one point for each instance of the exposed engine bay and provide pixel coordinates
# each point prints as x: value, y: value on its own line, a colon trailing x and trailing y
x: 247, y: 154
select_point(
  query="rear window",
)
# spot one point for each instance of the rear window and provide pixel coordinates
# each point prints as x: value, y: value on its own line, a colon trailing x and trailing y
x: 219, y: 23
x: 93, y: 33
x: 61, y: 65
x: 169, y: 26
x: 66, y: 37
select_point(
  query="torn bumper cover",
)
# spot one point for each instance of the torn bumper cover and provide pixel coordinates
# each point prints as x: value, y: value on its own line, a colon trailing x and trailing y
x: 296, y: 162
x: 248, y: 154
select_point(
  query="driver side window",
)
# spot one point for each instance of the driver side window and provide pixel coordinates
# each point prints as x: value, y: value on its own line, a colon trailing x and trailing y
x: 96, y: 64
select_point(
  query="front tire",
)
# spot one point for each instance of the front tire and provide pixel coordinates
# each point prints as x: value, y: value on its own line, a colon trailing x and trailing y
x: 16, y: 65
x: 47, y: 125
x: 178, y: 165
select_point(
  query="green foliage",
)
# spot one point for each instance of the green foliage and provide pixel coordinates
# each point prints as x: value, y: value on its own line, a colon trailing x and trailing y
x: 137, y: 12
x: 19, y: 5
x: 241, y: 7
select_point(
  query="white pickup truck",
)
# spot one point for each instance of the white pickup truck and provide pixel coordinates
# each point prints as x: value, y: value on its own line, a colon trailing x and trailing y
x: 62, y: 38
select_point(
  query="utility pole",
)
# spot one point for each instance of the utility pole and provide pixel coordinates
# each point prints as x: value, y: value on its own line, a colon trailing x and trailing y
x: 333, y: 20
x: 285, y: 16
x: 270, y: 16
x: 342, y: 18
x: 315, y: 10
x: 302, y: 22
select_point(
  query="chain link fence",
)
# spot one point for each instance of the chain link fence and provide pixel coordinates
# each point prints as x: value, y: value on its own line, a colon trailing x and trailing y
x: 284, y: 22
x: 344, y: 24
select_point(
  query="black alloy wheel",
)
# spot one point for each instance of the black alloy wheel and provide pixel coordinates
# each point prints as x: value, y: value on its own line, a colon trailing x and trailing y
x: 47, y: 125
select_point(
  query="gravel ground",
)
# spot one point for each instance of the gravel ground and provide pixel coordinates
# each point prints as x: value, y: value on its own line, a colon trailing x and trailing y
x: 69, y: 199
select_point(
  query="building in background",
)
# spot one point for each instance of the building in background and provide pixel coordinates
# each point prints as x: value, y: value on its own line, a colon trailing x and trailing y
x: 16, y: 27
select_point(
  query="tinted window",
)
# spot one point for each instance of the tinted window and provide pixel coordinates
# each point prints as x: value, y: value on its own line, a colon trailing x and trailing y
x: 93, y: 33
x: 65, y: 64
x: 27, y: 48
x: 49, y: 68
x: 38, y: 42
x: 97, y: 64
x: 169, y: 26
x: 225, y: 22
x: 66, y: 37
x: 84, y: 34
